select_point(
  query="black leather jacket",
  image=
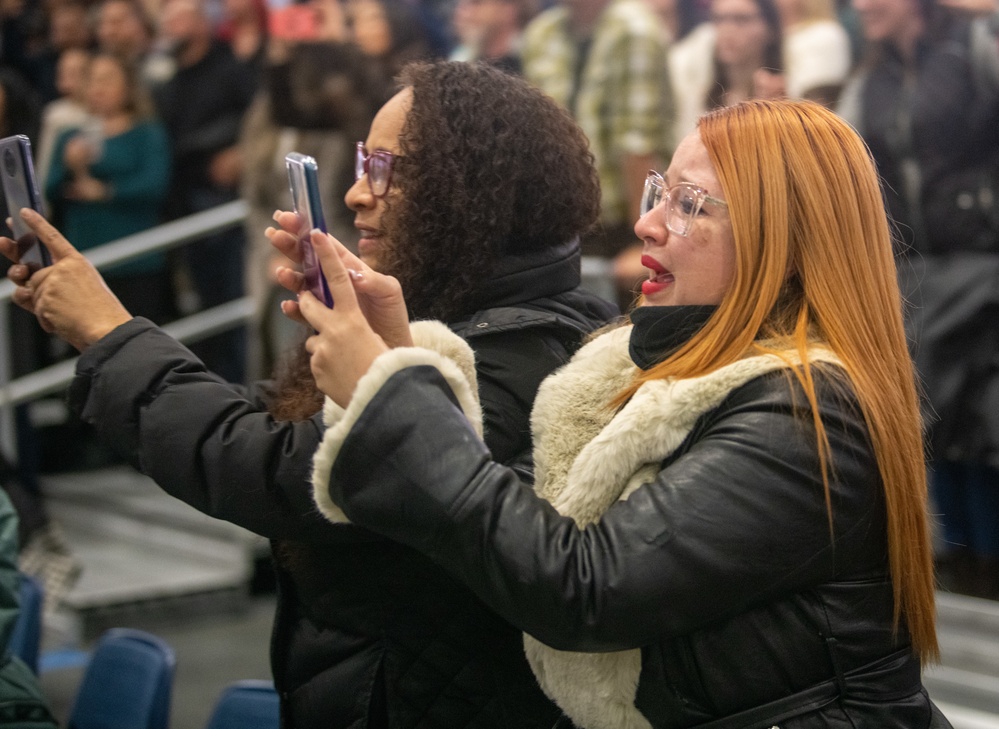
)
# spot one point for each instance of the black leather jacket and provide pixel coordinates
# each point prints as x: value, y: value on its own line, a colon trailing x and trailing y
x: 368, y: 633
x: 721, y: 569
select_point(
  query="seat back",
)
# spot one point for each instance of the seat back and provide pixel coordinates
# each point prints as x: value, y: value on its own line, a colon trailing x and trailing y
x: 27, y: 636
x: 127, y: 684
x: 248, y: 704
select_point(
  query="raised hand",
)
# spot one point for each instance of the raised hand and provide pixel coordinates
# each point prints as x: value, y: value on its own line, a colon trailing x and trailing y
x: 344, y: 345
x: 69, y: 298
x: 379, y: 296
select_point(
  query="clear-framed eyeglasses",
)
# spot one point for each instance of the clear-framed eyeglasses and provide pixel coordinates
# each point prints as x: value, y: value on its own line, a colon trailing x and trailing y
x: 683, y: 202
x: 377, y: 166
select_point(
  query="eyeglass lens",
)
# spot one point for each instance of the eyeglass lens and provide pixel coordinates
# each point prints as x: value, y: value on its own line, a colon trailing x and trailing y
x: 377, y: 166
x: 682, y: 203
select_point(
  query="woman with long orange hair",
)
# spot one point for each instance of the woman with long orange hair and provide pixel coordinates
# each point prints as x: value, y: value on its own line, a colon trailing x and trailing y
x: 728, y: 524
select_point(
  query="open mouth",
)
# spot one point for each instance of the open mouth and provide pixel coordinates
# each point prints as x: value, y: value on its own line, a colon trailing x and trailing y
x: 659, y: 277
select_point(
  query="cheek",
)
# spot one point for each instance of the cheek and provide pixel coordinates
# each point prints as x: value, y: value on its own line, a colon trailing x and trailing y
x: 723, y: 268
x: 710, y: 271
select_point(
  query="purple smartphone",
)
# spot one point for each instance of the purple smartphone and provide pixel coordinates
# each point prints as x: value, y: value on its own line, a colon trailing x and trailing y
x: 303, y: 178
x: 21, y: 191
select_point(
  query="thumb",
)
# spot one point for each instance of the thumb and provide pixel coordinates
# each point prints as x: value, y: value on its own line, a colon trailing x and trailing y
x: 58, y: 246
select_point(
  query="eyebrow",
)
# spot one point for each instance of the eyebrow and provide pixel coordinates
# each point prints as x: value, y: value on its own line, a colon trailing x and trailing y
x: 708, y: 197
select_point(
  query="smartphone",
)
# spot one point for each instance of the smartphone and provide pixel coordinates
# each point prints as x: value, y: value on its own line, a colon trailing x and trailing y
x: 20, y: 189
x: 294, y: 23
x: 303, y: 177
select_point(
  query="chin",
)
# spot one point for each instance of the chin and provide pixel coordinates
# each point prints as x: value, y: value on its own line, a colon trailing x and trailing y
x: 369, y: 255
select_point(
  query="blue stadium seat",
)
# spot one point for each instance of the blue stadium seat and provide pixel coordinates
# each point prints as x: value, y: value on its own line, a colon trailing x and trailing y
x: 248, y: 704
x: 27, y: 635
x: 127, y: 684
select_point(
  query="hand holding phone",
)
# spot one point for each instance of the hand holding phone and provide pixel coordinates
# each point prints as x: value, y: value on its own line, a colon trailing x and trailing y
x: 304, y: 181
x: 20, y: 190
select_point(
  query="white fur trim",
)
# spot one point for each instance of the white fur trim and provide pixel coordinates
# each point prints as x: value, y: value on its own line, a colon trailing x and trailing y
x: 432, y: 335
x: 445, y: 351
x: 596, y: 690
x: 590, y: 457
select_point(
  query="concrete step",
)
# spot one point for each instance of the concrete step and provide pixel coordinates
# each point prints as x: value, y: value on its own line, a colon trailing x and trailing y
x: 966, y: 683
x: 142, y: 552
x: 964, y: 718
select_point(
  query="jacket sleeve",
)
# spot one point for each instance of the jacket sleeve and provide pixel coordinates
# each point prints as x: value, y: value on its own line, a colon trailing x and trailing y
x: 736, y: 520
x: 201, y: 439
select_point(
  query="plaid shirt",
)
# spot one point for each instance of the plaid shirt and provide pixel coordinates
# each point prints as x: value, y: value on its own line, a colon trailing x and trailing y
x: 624, y: 102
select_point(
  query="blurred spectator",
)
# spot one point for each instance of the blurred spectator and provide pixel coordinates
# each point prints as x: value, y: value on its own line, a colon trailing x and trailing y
x: 68, y: 28
x: 244, y: 29
x: 20, y: 108
x: 319, y: 98
x: 679, y: 17
x: 817, y: 52
x: 23, y: 28
x: 735, y: 56
x: 123, y: 28
x: 24, y: 706
x: 388, y: 32
x: 931, y: 70
x: 202, y: 106
x: 490, y: 30
x: 69, y: 111
x: 109, y: 179
x: 605, y: 61
x: 434, y: 19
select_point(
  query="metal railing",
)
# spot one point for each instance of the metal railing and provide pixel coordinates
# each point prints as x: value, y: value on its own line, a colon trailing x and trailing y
x: 190, y: 329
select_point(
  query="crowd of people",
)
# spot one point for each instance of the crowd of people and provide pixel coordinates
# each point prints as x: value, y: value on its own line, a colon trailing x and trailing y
x: 808, y: 225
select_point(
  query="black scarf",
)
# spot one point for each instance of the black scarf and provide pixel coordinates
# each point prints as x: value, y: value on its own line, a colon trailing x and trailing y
x: 661, y: 330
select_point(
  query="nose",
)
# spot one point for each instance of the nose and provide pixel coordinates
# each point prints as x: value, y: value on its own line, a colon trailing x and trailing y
x: 651, y: 227
x: 359, y: 195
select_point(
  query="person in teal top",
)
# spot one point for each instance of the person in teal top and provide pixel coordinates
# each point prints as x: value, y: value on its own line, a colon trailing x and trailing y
x: 109, y: 178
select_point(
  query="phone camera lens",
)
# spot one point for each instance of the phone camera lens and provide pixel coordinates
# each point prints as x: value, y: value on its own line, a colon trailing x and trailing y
x: 9, y: 163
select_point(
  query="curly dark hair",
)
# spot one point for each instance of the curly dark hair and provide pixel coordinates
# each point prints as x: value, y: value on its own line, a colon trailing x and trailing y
x: 490, y: 168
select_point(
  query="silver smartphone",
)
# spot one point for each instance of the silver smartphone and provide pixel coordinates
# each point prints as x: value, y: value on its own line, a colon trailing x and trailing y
x: 303, y: 176
x: 20, y: 190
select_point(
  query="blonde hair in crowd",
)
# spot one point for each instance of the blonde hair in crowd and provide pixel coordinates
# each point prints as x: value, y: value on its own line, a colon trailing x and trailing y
x: 814, y: 263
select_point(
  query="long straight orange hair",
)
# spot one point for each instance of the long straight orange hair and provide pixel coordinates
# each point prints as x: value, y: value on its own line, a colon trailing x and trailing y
x: 814, y: 264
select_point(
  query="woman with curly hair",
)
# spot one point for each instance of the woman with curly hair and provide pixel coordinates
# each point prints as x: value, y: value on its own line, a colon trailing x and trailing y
x: 472, y: 188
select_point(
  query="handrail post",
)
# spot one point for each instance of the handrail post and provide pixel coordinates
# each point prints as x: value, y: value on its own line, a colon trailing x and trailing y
x: 8, y: 439
x: 161, y: 237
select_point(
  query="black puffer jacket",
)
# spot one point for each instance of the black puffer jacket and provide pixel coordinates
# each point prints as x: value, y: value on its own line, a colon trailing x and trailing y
x: 368, y: 633
x: 716, y: 572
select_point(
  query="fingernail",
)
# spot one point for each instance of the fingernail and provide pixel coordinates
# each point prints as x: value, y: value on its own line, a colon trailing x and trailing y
x: 356, y: 275
x: 275, y: 215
